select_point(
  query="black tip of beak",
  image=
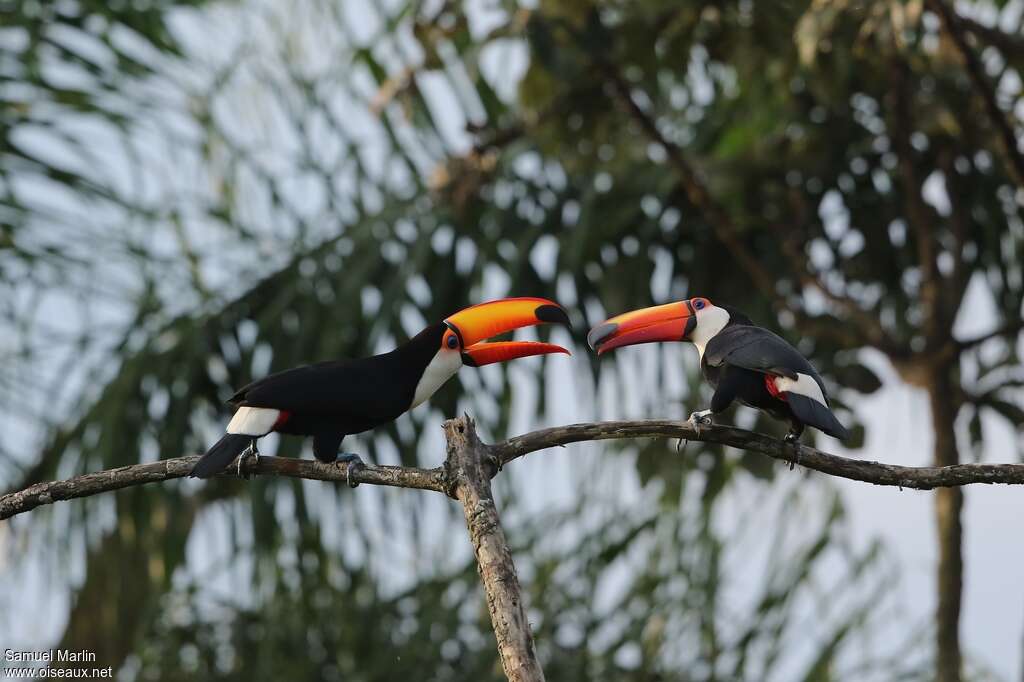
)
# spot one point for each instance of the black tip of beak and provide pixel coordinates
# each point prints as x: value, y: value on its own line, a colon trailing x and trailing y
x: 552, y: 314
x: 600, y: 333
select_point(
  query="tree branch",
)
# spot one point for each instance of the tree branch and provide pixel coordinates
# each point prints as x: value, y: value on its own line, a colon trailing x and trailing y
x: 920, y: 478
x: 169, y: 469
x: 1010, y: 44
x: 470, y: 480
x: 1009, y: 329
x: 877, y: 473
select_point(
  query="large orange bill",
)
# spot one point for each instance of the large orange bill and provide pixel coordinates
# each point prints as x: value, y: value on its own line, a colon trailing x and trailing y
x: 486, y: 320
x: 669, y: 322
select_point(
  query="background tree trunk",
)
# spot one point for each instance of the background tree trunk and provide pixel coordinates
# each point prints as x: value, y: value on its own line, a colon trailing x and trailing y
x: 948, y: 506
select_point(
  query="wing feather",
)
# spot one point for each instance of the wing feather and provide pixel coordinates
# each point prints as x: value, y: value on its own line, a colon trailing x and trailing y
x: 758, y: 349
x: 350, y: 388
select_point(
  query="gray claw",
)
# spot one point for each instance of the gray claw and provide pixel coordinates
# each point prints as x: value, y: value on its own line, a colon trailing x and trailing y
x: 699, y: 419
x: 243, y: 469
x: 794, y: 440
x: 354, y: 463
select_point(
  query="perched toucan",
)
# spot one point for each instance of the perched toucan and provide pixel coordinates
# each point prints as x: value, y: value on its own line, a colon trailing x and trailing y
x: 330, y: 400
x: 742, y: 361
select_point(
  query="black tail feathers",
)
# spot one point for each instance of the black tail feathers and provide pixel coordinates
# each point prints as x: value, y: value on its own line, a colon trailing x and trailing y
x: 220, y: 455
x: 813, y: 413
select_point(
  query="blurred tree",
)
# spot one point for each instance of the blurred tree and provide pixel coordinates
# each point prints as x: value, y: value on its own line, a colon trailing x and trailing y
x: 836, y: 169
x: 671, y: 613
x: 282, y: 184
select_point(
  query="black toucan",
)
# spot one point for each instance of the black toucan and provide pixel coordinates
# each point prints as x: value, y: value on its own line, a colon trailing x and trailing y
x: 742, y: 361
x: 330, y: 400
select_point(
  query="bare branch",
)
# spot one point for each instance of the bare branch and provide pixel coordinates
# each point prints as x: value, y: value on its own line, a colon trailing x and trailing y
x: 921, y: 478
x: 470, y: 481
x: 877, y: 473
x: 168, y: 469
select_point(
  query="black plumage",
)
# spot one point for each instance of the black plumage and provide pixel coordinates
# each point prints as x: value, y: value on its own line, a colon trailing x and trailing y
x: 220, y: 454
x: 330, y: 400
x: 739, y: 358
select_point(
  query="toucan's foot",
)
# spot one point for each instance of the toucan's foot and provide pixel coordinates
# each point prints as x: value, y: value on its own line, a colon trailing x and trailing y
x: 794, y: 440
x: 699, y: 419
x: 354, y: 463
x: 696, y: 420
x: 249, y: 453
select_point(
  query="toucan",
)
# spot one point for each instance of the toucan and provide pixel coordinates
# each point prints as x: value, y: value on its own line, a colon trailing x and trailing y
x: 330, y: 400
x: 741, y: 360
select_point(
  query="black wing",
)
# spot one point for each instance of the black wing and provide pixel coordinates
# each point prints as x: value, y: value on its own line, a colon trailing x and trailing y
x: 363, y: 388
x: 758, y: 349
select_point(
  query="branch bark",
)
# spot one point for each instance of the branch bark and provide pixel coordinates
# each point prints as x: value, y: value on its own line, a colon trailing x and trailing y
x: 169, y: 469
x: 469, y: 481
x: 877, y: 473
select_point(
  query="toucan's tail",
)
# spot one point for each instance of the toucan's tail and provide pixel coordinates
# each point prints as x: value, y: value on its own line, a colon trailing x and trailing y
x: 813, y: 413
x: 220, y: 455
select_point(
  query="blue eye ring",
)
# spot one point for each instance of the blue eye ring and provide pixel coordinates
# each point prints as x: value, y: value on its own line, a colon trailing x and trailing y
x: 452, y: 341
x: 699, y: 305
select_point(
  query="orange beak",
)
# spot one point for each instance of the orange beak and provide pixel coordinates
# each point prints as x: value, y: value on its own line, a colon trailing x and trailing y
x: 479, y: 322
x: 669, y: 322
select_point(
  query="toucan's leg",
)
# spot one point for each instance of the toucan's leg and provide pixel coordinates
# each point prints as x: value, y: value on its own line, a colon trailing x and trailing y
x: 354, y: 463
x: 725, y: 393
x: 796, y: 429
x: 325, y: 447
x: 251, y: 451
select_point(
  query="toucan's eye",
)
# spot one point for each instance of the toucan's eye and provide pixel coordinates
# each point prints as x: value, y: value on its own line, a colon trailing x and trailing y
x: 452, y: 341
x: 698, y: 304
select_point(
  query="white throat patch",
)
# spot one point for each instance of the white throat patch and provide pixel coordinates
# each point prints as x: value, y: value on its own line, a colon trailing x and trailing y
x: 442, y: 367
x: 710, y: 321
